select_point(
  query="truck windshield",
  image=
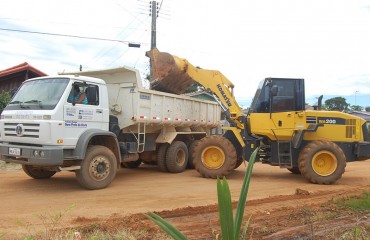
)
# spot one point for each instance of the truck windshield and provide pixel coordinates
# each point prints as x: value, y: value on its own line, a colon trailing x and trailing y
x: 39, y: 94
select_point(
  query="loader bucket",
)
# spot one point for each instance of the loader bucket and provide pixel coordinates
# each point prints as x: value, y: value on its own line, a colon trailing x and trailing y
x: 168, y: 72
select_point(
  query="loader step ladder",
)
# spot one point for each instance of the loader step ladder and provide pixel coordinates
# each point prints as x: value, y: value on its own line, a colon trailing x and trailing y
x: 141, y: 128
x: 285, y: 154
x: 284, y: 151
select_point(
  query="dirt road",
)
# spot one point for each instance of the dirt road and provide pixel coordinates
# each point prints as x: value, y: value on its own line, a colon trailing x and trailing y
x: 146, y: 189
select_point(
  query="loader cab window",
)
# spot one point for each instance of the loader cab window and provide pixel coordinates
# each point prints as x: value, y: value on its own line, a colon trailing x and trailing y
x: 279, y: 95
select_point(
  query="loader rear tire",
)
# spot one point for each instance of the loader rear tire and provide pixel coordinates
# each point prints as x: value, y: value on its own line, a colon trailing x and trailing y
x: 161, y: 157
x: 322, y: 162
x: 214, y: 156
x: 177, y: 157
x: 37, y: 173
x: 98, y: 169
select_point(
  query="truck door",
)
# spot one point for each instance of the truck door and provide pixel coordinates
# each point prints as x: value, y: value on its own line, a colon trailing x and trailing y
x: 85, y: 115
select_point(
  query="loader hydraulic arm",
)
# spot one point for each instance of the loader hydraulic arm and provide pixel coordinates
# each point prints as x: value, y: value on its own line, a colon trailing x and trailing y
x: 174, y: 74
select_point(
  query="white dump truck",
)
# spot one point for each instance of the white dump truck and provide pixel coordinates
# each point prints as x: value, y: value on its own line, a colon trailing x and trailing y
x: 120, y: 123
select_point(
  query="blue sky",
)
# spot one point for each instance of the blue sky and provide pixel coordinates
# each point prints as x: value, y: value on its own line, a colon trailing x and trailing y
x: 326, y: 42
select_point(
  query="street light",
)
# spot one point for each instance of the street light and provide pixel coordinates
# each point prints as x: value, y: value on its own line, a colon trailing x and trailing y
x: 355, y: 96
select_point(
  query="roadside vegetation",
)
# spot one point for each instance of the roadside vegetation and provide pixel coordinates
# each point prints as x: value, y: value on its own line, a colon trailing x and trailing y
x: 346, y: 218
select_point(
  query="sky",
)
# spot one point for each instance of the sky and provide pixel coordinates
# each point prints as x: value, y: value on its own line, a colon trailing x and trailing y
x: 326, y: 42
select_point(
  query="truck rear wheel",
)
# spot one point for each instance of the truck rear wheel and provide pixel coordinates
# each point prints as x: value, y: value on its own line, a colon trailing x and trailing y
x: 190, y: 151
x: 214, y: 156
x: 177, y: 157
x: 98, y: 169
x: 37, y: 173
x: 322, y: 162
x: 161, y: 157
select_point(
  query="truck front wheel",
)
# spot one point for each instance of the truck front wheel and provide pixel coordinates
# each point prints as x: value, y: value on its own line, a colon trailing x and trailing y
x: 98, y: 169
x: 214, y: 156
x: 37, y: 173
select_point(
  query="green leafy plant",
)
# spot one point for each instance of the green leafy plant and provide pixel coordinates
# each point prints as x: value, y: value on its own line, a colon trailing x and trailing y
x: 4, y: 99
x: 230, y: 226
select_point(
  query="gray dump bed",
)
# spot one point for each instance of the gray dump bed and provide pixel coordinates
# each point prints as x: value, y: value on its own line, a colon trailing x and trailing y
x: 132, y: 104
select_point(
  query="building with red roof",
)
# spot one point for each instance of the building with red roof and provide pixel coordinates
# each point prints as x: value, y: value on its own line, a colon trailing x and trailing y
x: 12, y: 78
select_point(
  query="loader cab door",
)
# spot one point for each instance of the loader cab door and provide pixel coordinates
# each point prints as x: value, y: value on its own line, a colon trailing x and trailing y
x: 277, y: 106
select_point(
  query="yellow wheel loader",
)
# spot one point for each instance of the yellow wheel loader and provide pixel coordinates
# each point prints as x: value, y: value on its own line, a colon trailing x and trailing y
x: 314, y: 143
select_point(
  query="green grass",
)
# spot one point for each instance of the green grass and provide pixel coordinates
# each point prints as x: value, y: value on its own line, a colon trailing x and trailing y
x: 361, y: 203
x: 9, y: 166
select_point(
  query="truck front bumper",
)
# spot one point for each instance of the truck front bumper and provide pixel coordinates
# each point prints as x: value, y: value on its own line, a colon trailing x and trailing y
x: 31, y: 155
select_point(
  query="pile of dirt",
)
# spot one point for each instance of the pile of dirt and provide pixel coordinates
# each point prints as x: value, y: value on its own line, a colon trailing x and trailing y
x: 298, y: 216
x: 169, y: 72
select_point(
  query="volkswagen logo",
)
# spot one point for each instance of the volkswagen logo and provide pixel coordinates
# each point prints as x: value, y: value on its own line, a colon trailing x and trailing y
x: 19, y: 130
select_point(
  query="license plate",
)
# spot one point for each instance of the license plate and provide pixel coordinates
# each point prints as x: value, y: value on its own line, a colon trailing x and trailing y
x: 15, y: 151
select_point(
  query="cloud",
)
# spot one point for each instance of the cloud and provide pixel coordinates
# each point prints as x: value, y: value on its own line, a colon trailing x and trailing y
x: 326, y: 42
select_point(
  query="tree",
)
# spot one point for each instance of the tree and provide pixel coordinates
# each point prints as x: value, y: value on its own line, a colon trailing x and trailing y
x: 356, y: 108
x: 4, y: 100
x: 337, y: 104
x: 367, y: 109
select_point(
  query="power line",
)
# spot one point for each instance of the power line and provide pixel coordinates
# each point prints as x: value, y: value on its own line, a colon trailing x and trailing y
x: 67, y: 35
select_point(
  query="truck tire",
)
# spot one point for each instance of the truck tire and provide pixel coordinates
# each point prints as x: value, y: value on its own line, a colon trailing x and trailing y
x: 177, y: 157
x: 37, y: 173
x: 161, y: 157
x: 98, y: 169
x: 214, y: 156
x: 190, y: 155
x: 322, y: 162
x: 133, y: 164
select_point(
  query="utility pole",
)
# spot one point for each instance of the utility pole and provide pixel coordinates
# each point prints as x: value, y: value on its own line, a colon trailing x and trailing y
x: 154, y: 14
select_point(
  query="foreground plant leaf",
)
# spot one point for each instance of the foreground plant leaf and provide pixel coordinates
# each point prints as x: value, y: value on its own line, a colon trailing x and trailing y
x: 166, y: 226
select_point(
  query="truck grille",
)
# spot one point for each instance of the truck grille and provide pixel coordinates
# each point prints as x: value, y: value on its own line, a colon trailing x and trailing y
x: 30, y: 130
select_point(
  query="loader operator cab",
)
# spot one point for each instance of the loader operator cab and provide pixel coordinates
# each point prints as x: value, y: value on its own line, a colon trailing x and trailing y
x: 279, y: 95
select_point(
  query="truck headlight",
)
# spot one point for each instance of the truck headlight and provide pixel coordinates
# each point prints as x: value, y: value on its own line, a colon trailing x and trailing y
x: 36, y: 153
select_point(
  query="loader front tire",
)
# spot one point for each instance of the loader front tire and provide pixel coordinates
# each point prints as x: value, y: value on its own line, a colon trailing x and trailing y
x: 37, y: 173
x: 294, y: 170
x: 322, y: 162
x: 214, y: 156
x: 98, y: 169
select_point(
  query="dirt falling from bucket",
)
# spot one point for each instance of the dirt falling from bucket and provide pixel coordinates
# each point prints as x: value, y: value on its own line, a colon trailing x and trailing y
x: 169, y: 72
